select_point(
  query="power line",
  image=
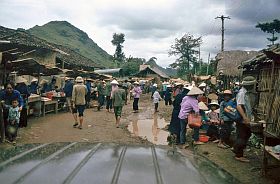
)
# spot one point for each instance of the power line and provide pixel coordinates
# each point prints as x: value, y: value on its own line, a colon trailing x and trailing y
x: 222, y: 17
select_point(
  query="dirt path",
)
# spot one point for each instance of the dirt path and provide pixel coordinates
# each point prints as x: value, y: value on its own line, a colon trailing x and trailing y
x: 99, y: 126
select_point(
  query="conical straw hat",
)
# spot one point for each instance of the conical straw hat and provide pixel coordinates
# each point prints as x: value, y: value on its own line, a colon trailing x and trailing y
x: 202, y: 106
x: 213, y: 96
x: 114, y: 82
x: 195, y: 91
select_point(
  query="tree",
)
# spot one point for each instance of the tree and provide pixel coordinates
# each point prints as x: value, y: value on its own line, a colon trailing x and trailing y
x: 270, y: 27
x: 185, y: 48
x: 203, y: 70
x: 131, y: 66
x: 117, y: 41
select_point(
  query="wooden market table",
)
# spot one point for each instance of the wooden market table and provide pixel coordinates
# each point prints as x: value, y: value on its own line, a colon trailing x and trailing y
x: 34, y: 105
x: 61, y: 100
x: 49, y: 106
x: 268, y: 153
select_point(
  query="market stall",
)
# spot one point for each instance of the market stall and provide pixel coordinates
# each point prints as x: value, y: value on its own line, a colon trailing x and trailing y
x: 266, y: 68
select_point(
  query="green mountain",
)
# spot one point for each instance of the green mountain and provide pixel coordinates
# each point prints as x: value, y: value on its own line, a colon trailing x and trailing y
x: 64, y: 33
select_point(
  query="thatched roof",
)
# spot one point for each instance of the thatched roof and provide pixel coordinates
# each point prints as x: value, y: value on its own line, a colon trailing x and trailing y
x: 228, y: 61
x: 29, y: 66
x: 261, y: 58
x: 154, y: 70
x: 68, y: 56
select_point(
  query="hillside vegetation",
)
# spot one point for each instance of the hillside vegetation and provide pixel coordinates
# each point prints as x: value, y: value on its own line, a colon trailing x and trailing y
x: 64, y: 33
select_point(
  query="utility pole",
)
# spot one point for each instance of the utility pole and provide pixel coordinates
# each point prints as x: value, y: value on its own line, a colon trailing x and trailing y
x: 208, y: 64
x: 222, y: 17
x: 200, y: 63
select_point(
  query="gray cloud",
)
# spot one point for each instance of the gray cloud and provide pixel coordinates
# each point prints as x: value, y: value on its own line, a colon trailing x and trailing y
x: 151, y: 26
x: 254, y: 10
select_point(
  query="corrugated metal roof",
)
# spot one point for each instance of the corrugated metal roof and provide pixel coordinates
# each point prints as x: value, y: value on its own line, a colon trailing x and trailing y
x: 109, y: 71
x: 105, y: 163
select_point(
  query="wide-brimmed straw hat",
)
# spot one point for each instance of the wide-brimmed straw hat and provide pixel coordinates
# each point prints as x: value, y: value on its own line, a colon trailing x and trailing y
x: 137, y: 83
x: 213, y: 96
x: 21, y: 80
x: 66, y: 78
x: 202, y: 106
x: 248, y: 81
x: 114, y: 82
x: 79, y: 80
x: 195, y: 91
x: 227, y: 92
x: 214, y: 102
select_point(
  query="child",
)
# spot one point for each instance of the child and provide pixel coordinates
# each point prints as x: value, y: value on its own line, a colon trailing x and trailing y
x: 226, y: 127
x: 13, y: 121
x: 156, y: 98
x: 214, y: 121
x: 204, y: 117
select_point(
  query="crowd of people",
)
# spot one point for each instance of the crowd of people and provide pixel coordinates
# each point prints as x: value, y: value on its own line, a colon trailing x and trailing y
x: 218, y: 111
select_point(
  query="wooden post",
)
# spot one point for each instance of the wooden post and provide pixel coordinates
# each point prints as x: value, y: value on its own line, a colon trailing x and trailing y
x: 2, y: 126
x: 62, y: 64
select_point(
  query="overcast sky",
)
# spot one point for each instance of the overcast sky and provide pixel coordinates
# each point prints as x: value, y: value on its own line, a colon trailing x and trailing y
x: 151, y: 26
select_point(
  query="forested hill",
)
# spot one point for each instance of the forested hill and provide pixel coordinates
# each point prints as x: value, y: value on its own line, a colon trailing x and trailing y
x: 64, y: 33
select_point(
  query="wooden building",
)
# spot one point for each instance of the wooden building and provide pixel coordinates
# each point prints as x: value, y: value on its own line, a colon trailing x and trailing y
x: 266, y: 68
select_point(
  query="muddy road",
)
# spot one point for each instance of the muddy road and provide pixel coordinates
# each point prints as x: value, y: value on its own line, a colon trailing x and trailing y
x: 143, y: 128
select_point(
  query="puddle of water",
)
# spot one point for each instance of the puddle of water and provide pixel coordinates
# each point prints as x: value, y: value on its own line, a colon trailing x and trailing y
x: 149, y: 129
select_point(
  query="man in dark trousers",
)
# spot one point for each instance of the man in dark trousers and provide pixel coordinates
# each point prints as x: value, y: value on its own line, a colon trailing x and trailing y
x: 244, y: 107
x: 118, y: 100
